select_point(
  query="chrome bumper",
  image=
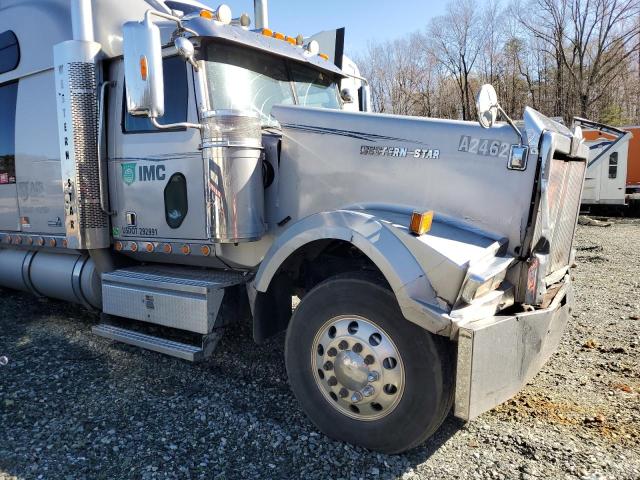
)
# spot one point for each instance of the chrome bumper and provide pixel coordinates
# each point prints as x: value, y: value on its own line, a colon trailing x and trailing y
x: 498, y: 355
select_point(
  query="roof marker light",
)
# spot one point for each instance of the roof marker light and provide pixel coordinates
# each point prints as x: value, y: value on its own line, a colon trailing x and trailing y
x: 206, y: 14
x: 222, y: 14
x: 267, y: 32
x: 323, y: 56
x: 278, y: 36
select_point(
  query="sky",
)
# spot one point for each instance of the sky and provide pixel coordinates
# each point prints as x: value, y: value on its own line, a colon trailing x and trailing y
x: 365, y: 20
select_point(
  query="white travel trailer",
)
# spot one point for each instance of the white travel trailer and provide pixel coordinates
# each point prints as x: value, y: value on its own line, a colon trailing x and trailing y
x: 158, y: 166
x: 606, y: 178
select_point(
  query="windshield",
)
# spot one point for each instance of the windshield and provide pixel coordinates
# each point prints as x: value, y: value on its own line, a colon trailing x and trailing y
x: 240, y: 78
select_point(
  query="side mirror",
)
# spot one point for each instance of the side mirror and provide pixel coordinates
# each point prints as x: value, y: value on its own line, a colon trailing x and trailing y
x: 186, y: 50
x: 143, y: 68
x: 364, y: 97
x: 487, y: 106
x: 346, y: 95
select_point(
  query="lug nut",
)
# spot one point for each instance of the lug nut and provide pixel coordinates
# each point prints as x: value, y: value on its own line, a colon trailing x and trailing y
x: 343, y: 345
x: 328, y: 366
x: 373, y: 376
x: 333, y: 381
x: 332, y: 352
x: 343, y: 392
x: 369, y: 360
x: 368, y: 391
x: 356, y: 397
x: 357, y: 348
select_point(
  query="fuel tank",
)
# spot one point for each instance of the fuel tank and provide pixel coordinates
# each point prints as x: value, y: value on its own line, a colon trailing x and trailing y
x: 65, y: 276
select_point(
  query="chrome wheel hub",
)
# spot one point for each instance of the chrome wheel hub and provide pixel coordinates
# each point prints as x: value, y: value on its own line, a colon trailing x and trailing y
x: 357, y: 367
x: 351, y: 371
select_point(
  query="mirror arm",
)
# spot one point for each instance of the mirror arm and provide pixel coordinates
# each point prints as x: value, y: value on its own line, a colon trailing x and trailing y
x: 166, y: 16
x: 155, y: 123
x: 513, y: 125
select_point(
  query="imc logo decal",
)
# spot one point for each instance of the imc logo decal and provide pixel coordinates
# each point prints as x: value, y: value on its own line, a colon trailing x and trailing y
x: 128, y: 173
x: 145, y: 173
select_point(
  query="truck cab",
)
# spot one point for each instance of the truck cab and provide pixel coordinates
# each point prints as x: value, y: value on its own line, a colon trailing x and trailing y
x: 179, y: 167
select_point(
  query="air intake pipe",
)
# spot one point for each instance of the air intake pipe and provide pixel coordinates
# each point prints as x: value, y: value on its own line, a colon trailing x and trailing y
x: 261, y: 13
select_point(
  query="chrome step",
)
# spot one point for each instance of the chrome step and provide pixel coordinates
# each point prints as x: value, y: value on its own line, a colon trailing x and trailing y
x: 184, y: 351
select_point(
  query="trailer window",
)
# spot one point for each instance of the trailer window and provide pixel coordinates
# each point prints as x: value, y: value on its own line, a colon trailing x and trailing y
x: 176, y: 99
x: 8, y: 96
x: 9, y: 51
x: 244, y: 79
x: 613, y: 165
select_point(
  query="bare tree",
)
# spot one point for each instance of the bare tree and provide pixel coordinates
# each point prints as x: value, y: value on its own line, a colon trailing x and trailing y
x: 572, y: 57
x: 457, y: 41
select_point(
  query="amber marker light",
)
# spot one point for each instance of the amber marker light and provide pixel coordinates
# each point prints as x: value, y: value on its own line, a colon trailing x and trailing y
x: 186, y: 249
x: 167, y: 248
x: 206, y: 14
x: 144, y: 68
x: 267, y: 32
x: 40, y: 242
x: 118, y: 246
x: 421, y: 222
x: 323, y: 56
x: 291, y: 40
x: 52, y: 242
x: 205, y: 250
x: 29, y: 241
x: 64, y: 243
x: 278, y: 36
x: 149, y: 247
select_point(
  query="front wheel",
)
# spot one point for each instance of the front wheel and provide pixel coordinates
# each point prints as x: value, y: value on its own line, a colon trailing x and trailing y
x: 362, y: 372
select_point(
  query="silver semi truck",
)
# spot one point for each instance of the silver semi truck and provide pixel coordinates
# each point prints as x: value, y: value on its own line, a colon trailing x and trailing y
x: 178, y: 169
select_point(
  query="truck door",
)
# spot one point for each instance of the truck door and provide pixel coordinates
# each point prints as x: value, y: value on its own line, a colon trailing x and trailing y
x: 157, y: 176
x: 9, y: 216
x: 614, y: 177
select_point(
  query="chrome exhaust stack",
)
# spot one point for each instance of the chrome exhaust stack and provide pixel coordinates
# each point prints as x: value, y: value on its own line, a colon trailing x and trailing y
x: 77, y: 81
x: 82, y: 20
x: 261, y: 13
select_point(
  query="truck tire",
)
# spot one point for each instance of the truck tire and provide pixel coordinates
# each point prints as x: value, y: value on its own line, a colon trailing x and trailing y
x: 362, y: 372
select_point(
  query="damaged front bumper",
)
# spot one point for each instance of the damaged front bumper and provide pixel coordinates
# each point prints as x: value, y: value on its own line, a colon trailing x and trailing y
x: 498, y: 355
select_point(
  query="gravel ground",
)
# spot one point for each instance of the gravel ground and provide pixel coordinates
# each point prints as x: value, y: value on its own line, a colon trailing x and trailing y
x: 76, y: 406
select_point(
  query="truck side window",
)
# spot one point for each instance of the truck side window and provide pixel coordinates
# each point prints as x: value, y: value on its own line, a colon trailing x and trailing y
x: 176, y: 99
x: 613, y: 165
x: 8, y: 97
x: 176, y: 204
x: 9, y: 51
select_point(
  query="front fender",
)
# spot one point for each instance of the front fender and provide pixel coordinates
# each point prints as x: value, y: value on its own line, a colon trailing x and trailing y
x: 373, y: 233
